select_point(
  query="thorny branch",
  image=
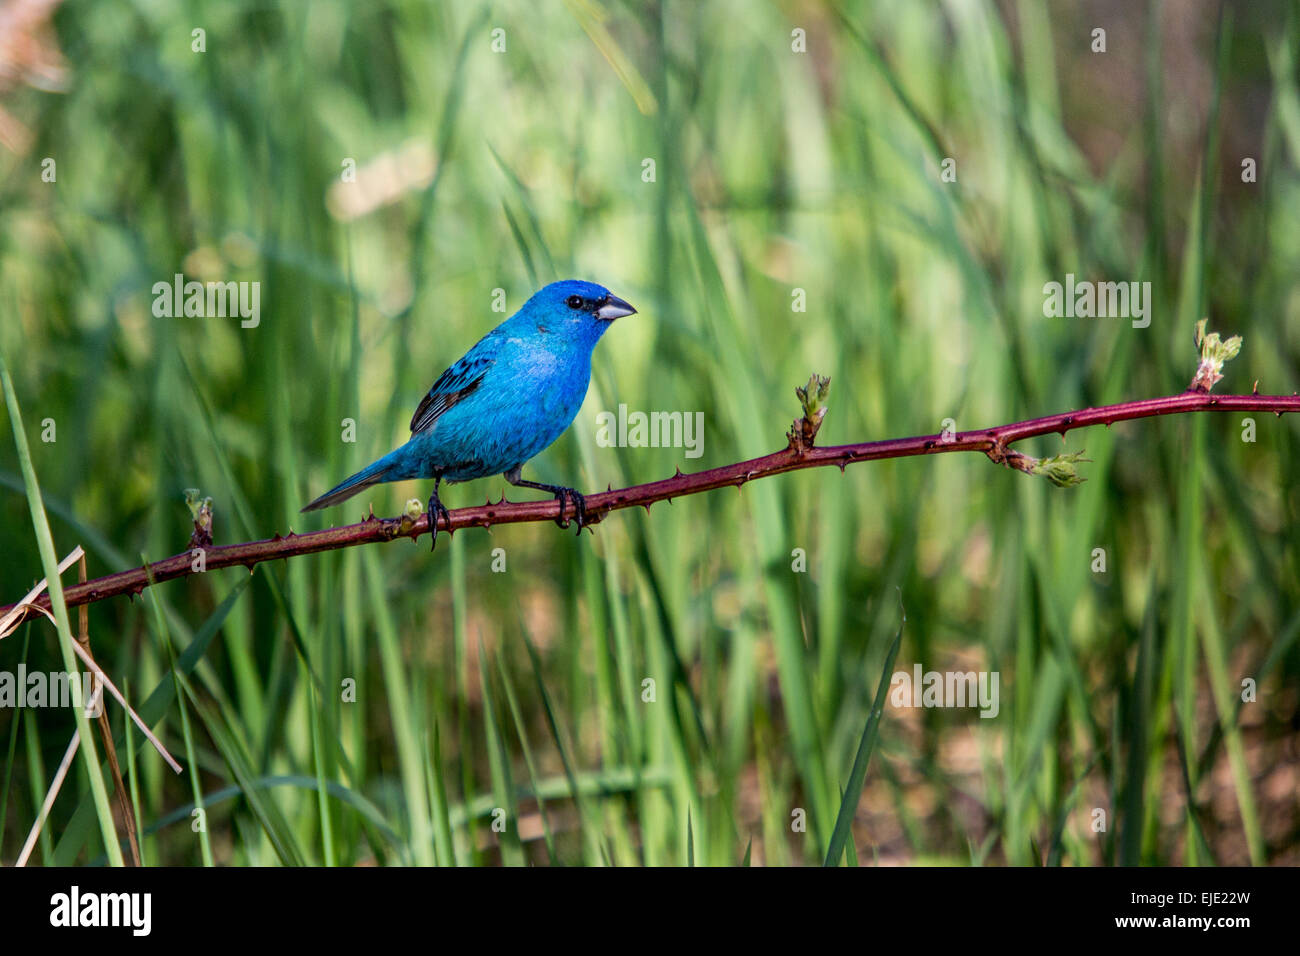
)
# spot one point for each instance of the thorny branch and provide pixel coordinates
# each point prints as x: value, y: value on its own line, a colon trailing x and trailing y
x: 800, y: 453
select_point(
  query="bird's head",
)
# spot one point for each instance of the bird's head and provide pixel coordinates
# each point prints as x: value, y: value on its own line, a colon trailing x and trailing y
x: 580, y: 310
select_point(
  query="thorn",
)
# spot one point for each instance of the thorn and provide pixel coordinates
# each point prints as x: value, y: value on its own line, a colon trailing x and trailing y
x: 1255, y: 390
x: 677, y: 472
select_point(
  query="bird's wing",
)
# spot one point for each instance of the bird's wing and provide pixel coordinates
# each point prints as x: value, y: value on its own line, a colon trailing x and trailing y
x: 453, y: 385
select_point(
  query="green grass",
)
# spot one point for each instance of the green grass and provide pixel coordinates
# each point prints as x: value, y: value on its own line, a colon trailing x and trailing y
x: 667, y: 690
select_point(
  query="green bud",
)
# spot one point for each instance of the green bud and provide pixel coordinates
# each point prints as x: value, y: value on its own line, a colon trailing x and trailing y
x: 1059, y: 469
x: 814, y: 398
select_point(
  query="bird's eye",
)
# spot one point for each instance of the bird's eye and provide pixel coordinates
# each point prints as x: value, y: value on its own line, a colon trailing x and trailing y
x: 574, y: 302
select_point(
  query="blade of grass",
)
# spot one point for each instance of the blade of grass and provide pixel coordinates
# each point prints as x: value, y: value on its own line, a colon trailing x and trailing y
x: 155, y: 706
x: 516, y: 715
x: 858, y: 775
x: 50, y: 562
x: 187, y: 732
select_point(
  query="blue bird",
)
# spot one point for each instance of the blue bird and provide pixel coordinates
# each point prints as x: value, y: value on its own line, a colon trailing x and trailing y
x: 507, y: 399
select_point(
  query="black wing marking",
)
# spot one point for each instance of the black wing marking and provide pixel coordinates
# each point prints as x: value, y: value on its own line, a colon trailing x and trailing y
x: 453, y: 385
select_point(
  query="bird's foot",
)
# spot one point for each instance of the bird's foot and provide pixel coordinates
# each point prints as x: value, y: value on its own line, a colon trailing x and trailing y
x: 579, y: 507
x: 437, y: 510
x: 561, y: 494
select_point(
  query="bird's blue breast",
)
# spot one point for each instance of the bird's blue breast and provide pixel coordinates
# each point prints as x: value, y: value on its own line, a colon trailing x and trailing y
x: 527, y: 398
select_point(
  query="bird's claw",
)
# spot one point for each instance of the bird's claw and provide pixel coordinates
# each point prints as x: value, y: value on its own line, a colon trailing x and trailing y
x: 579, y: 508
x: 437, y: 510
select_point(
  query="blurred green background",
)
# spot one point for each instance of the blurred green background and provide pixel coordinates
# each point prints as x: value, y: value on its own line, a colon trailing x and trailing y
x: 518, y: 697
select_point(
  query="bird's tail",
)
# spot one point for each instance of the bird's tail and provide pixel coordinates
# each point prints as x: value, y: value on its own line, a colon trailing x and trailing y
x: 373, y: 474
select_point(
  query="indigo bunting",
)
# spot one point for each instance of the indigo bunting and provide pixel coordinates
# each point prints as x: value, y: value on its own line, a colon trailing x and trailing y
x: 508, y: 397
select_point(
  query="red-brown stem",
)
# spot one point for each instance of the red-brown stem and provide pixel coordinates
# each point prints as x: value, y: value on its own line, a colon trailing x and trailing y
x: 992, y: 441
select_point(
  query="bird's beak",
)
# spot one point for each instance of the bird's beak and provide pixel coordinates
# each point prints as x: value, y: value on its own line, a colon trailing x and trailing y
x: 612, y: 307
